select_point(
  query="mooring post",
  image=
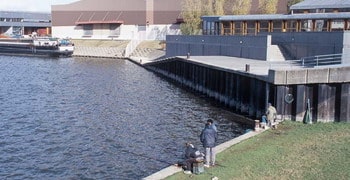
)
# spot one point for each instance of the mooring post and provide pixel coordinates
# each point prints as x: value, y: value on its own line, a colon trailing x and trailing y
x: 247, y: 68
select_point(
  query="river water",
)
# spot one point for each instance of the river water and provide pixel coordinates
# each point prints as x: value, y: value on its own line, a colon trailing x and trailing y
x: 81, y: 118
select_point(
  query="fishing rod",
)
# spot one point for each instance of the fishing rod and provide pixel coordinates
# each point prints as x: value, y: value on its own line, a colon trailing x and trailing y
x: 148, y: 157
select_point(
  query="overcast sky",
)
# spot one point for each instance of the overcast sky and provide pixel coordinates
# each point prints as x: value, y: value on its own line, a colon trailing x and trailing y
x: 31, y: 5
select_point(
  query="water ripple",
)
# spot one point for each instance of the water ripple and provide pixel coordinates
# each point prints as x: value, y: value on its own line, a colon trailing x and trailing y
x: 94, y: 119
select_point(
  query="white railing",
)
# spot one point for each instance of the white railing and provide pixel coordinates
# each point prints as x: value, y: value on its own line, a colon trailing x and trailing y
x: 322, y: 60
x: 132, y: 45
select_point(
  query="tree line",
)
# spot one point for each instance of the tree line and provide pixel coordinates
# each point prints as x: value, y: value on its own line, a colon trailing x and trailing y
x: 192, y: 10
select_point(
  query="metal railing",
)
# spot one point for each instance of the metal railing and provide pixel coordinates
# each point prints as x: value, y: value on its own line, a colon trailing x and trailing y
x: 322, y: 60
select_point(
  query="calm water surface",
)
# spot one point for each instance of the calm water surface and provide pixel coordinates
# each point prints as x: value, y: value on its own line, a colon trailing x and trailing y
x: 77, y: 118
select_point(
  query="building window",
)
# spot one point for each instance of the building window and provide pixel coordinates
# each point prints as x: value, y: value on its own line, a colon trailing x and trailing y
x: 251, y: 27
x: 88, y: 29
x: 17, y: 31
x: 306, y: 25
x: 337, y: 25
x: 114, y: 30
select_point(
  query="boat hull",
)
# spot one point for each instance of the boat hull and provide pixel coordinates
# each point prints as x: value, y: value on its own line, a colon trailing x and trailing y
x: 10, y: 47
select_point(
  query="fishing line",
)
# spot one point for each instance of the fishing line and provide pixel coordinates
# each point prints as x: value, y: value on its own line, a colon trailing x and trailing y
x: 148, y: 157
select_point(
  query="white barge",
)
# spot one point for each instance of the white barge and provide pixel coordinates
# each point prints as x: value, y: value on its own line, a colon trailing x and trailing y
x: 41, y: 46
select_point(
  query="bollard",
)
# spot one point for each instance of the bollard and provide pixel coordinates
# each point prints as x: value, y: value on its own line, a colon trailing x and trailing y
x: 247, y: 68
x: 257, y: 125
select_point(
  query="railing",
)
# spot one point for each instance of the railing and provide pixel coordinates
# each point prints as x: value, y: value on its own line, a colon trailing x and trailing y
x: 322, y: 60
x: 131, y: 47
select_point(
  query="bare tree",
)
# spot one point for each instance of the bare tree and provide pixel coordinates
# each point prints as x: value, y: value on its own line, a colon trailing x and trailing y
x: 241, y: 7
x: 192, y: 10
x: 268, y: 6
x: 219, y: 7
x: 208, y: 7
x: 191, y: 14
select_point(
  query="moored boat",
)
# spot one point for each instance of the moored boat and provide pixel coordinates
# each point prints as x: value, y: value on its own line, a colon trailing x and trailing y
x: 40, y: 46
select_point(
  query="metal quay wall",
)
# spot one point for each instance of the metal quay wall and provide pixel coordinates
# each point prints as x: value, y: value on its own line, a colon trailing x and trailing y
x: 296, y: 45
x: 247, y: 94
x: 251, y: 47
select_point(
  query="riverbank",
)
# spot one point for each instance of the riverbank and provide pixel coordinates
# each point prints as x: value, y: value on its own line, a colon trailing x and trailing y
x: 171, y: 170
x: 145, y: 52
x: 293, y: 151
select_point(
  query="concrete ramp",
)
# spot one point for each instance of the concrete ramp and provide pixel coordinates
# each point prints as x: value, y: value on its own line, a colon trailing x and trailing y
x: 274, y: 53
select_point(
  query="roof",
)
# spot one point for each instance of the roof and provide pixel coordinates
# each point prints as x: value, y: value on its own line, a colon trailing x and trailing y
x: 25, y: 24
x: 25, y: 15
x: 262, y: 17
x: 321, y: 4
x: 117, y: 12
x: 119, y: 5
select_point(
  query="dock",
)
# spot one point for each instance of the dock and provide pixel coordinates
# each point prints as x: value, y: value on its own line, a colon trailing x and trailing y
x: 246, y: 86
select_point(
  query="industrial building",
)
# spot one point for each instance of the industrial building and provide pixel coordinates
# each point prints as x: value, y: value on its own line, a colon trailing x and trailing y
x: 306, y: 56
x: 117, y: 19
x: 15, y: 24
x: 126, y: 19
x: 308, y: 15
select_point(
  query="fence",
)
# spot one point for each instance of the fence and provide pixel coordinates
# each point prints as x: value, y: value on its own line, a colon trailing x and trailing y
x: 322, y: 60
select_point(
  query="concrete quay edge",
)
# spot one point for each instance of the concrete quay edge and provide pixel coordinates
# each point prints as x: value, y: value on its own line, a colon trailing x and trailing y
x: 168, y: 171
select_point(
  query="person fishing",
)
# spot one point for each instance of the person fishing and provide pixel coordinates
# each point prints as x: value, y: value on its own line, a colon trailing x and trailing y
x: 192, y: 155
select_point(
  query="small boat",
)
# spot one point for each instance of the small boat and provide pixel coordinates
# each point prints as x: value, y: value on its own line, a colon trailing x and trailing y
x: 38, y: 46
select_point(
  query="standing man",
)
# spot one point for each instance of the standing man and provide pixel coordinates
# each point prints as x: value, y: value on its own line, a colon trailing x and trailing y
x: 211, y: 123
x: 208, y: 138
x: 271, y: 115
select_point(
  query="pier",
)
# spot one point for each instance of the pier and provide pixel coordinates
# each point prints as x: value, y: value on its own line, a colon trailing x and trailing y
x: 246, y: 86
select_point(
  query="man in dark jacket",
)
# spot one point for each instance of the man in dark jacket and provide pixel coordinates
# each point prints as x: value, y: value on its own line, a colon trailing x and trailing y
x: 192, y: 155
x: 208, y: 138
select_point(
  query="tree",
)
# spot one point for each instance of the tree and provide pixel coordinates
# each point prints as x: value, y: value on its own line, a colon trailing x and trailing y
x: 191, y: 13
x: 241, y: 7
x: 219, y: 7
x: 268, y: 6
x: 213, y: 7
x: 192, y: 10
x: 208, y: 7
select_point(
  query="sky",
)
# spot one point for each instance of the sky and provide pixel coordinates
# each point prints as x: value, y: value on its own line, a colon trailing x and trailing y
x: 31, y: 5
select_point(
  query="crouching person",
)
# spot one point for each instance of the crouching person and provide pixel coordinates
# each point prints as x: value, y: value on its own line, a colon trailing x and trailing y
x: 192, y: 155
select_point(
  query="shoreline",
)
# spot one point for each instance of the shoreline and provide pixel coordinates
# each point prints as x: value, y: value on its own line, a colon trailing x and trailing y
x: 146, y: 51
x: 171, y: 170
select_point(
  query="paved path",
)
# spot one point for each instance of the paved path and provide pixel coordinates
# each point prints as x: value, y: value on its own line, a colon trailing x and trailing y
x: 257, y: 67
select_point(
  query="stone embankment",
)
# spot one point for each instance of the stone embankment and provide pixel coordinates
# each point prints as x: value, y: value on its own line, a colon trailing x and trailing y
x: 145, y: 52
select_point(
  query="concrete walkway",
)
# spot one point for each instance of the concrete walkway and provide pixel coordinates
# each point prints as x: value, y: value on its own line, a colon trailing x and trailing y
x: 162, y: 174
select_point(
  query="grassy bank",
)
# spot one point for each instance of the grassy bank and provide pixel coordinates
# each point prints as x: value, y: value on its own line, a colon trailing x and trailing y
x: 293, y: 151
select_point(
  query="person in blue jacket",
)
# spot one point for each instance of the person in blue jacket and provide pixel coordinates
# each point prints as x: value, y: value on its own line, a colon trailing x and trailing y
x: 211, y: 123
x: 208, y: 137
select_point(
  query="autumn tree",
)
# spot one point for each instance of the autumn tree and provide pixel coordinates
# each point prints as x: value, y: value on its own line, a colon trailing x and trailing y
x: 219, y: 7
x: 208, y: 7
x: 191, y: 14
x: 241, y: 7
x: 213, y: 7
x: 268, y: 6
x: 192, y: 10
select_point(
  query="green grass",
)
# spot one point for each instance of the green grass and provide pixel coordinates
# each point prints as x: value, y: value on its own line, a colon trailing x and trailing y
x: 293, y: 151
